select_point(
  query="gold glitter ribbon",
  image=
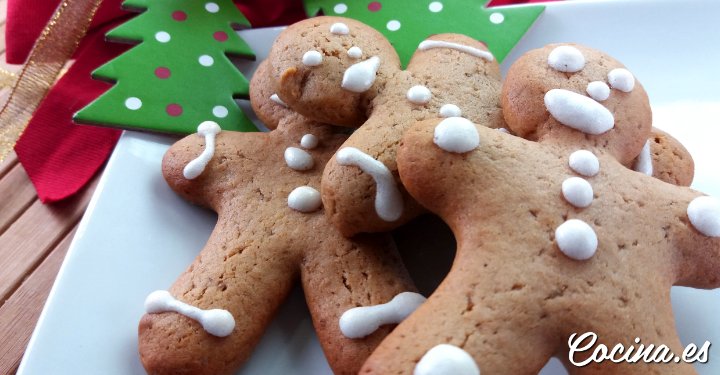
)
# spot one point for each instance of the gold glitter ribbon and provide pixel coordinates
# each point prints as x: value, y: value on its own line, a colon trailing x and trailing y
x: 53, y: 49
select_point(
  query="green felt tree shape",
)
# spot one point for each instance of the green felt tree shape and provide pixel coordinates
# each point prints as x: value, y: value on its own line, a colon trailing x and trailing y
x: 406, y: 23
x: 179, y: 74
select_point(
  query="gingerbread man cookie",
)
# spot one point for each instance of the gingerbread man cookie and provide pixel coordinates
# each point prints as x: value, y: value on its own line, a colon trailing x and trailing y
x: 340, y: 71
x: 271, y: 230
x: 555, y: 236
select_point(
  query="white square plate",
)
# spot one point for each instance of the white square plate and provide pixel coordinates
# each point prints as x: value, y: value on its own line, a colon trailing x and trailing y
x: 137, y: 235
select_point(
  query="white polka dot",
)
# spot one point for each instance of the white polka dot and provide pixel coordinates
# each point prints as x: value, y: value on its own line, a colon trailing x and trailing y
x: 497, y: 18
x: 393, y: 25
x: 133, y: 103
x: 340, y: 8
x: 162, y: 37
x: 220, y: 111
x: 206, y: 60
x: 212, y: 7
x: 435, y: 6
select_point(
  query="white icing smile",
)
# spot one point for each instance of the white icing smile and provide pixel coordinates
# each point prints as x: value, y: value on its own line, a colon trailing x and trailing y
x: 216, y: 322
x: 429, y: 44
x: 361, y: 321
x: 579, y: 112
x: 360, y: 76
x: 207, y: 129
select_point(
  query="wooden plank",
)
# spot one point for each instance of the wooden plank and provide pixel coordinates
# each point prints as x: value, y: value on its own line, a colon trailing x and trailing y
x: 8, y: 164
x: 20, y: 312
x: 17, y: 194
x: 29, y: 239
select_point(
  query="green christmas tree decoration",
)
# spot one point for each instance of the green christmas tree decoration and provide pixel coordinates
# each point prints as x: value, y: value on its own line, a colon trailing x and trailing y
x: 406, y: 23
x: 179, y: 74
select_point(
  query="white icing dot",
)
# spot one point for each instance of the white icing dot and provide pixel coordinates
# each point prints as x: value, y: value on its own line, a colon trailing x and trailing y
x: 132, y: 103
x: 162, y: 36
x: 359, y: 322
x: 212, y: 7
x: 393, y: 25
x: 340, y: 8
x: 598, y: 90
x: 621, y: 79
x: 419, y: 94
x: 578, y: 111
x: 339, y: 28
x: 435, y: 6
x: 312, y: 58
x: 207, y: 129
x: 446, y: 359
x: 450, y: 110
x: 276, y: 99
x: 576, y: 239
x: 388, y: 200
x: 430, y: 44
x: 566, y: 59
x: 456, y: 134
x: 216, y: 322
x: 577, y: 191
x: 309, y: 141
x: 220, y: 111
x: 304, y: 199
x: 503, y: 130
x: 355, y: 52
x: 704, y: 214
x: 206, y: 60
x: 298, y: 159
x: 497, y: 18
x: 359, y: 77
x: 644, y: 162
x: 585, y: 163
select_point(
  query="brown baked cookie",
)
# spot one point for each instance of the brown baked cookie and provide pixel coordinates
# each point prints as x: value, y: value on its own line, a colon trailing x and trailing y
x: 271, y: 230
x: 666, y: 159
x: 555, y: 237
x: 341, y: 71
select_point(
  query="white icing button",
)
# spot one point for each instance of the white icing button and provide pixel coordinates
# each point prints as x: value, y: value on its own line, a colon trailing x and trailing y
x: 450, y: 110
x: 566, y: 59
x: 216, y: 322
x: 456, y: 134
x: 339, y: 28
x: 585, y: 163
x: 388, y: 200
x: 309, y: 141
x: 579, y: 112
x: 312, y: 58
x: 298, y: 159
x: 359, y: 322
x: 355, y: 52
x: 340, y: 8
x: 644, y: 162
x: 360, y: 76
x: 162, y: 36
x: 435, y: 6
x: 393, y: 25
x: 132, y: 103
x: 576, y: 239
x: 419, y: 94
x: 621, y: 79
x: 220, y: 111
x: 207, y: 129
x: 577, y: 191
x: 497, y: 18
x: 446, y: 359
x: 304, y: 199
x: 704, y: 214
x: 430, y: 44
x: 598, y: 90
x: 206, y: 60
x: 276, y: 99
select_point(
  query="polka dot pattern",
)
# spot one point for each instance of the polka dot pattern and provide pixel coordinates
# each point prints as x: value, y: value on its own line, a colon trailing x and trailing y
x: 393, y: 25
x: 220, y: 111
x: 132, y: 103
x: 174, y: 109
x: 340, y: 8
x: 497, y: 18
x: 212, y: 7
x: 162, y: 72
x: 435, y: 6
x: 206, y: 60
x: 220, y: 36
x: 374, y: 6
x: 179, y: 15
x: 162, y: 36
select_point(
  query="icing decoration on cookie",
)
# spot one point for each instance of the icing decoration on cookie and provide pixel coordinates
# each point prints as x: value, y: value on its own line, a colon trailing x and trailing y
x: 704, y: 215
x: 577, y: 191
x: 584, y: 162
x: 312, y: 58
x: 579, y: 112
x: 355, y: 52
x: 503, y: 130
x: 418, y: 94
x: 598, y: 90
x: 361, y: 76
x: 621, y: 79
x: 446, y: 359
x: 450, y: 110
x: 208, y: 129
x: 216, y: 322
x: 361, y: 321
x: 339, y: 28
x: 298, y: 159
x: 566, y: 59
x: 276, y: 99
x: 576, y: 239
x: 388, y: 200
x: 644, y: 162
x: 304, y: 199
x: 429, y: 44
x: 456, y: 134
x: 309, y: 141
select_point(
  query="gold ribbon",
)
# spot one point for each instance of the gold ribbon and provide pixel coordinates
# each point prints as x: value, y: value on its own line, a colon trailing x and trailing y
x: 53, y: 49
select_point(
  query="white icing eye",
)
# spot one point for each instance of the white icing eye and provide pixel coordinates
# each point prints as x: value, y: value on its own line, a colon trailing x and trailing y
x: 577, y: 191
x: 704, y: 215
x: 566, y: 59
x: 598, y: 90
x: 360, y: 76
x: 312, y: 58
x: 419, y: 94
x: 578, y: 111
x: 621, y: 79
x: 644, y: 162
x: 456, y: 134
x: 304, y: 199
x: 585, y: 163
x: 359, y: 322
x: 298, y: 159
x: 576, y: 239
x: 446, y: 359
x: 450, y: 110
x: 339, y: 28
x: 355, y: 52
x: 309, y: 141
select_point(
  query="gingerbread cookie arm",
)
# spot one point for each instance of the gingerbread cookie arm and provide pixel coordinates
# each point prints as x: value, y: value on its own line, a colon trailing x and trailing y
x: 666, y: 159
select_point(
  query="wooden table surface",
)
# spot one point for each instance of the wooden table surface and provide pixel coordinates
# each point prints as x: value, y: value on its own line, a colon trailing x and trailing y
x: 34, y: 239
